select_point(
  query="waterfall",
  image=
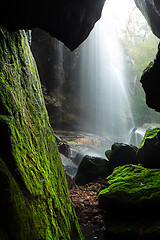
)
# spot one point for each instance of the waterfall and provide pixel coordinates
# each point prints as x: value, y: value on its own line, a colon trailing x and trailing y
x: 104, y: 94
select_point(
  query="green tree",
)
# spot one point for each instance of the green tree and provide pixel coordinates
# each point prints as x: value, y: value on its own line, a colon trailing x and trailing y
x: 140, y: 47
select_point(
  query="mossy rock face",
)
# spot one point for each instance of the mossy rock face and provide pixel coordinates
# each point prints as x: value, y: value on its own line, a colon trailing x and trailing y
x: 90, y: 169
x: 131, y: 203
x: 121, y: 154
x: 34, y: 198
x: 149, y: 150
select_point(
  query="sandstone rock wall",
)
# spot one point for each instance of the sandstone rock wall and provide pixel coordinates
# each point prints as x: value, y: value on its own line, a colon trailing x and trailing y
x: 34, y: 198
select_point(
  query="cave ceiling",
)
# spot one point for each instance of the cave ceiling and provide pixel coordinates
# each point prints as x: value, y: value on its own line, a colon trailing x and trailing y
x: 70, y: 21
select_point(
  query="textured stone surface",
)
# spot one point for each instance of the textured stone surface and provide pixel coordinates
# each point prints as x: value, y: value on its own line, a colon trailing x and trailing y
x: 149, y: 150
x: 151, y: 11
x: 68, y: 20
x: 150, y: 78
x: 57, y: 67
x: 90, y: 169
x: 151, y: 83
x: 120, y: 155
x: 34, y: 198
x: 131, y: 203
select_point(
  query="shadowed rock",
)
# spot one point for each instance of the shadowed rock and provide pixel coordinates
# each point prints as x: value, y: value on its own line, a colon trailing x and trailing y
x: 68, y: 20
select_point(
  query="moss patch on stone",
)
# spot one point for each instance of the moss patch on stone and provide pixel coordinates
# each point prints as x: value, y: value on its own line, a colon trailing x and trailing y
x: 150, y: 134
x: 34, y: 202
x: 131, y: 203
x: 134, y: 184
x: 149, y: 150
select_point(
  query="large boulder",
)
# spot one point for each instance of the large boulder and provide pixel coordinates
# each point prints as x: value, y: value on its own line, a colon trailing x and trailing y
x: 131, y: 203
x: 34, y: 198
x: 68, y: 20
x: 121, y: 154
x: 90, y: 169
x: 149, y: 150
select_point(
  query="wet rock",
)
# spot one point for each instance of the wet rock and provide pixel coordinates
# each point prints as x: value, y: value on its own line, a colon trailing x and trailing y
x: 64, y: 149
x: 131, y: 203
x: 78, y: 158
x: 69, y: 167
x: 90, y: 169
x: 149, y: 150
x: 121, y: 154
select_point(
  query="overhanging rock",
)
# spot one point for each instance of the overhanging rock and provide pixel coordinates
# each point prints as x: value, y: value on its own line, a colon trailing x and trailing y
x: 70, y: 21
x: 151, y: 11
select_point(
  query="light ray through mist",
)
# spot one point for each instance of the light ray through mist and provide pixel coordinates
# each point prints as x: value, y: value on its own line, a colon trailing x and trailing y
x: 103, y: 78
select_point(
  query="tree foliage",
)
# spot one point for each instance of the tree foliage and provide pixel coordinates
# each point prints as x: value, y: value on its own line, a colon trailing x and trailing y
x: 140, y: 46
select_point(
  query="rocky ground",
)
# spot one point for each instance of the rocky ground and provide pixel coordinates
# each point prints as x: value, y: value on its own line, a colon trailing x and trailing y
x: 127, y: 199
x: 84, y: 199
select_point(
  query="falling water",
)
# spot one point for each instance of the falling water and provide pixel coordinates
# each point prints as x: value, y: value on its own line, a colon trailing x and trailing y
x: 104, y: 97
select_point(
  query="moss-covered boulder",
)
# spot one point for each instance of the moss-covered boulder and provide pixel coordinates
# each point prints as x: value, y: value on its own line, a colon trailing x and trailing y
x: 34, y: 198
x: 149, y: 150
x: 90, y: 169
x: 120, y: 155
x: 131, y: 203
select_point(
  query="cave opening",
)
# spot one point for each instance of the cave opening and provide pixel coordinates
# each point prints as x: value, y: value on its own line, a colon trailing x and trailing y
x: 96, y: 90
x: 73, y: 163
x: 94, y: 97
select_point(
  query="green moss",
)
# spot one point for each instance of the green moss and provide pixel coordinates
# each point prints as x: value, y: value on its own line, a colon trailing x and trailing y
x: 150, y: 65
x: 35, y: 202
x: 150, y: 133
x: 118, y: 146
x: 108, y: 154
x: 131, y: 203
x: 133, y: 184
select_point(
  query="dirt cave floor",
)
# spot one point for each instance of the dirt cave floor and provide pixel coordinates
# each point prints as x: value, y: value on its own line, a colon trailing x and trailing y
x: 84, y: 199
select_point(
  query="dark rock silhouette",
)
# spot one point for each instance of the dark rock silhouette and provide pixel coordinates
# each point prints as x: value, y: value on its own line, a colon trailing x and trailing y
x: 120, y: 155
x: 90, y: 169
x: 69, y: 21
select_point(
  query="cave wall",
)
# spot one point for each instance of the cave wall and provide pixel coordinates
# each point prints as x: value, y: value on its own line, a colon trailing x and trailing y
x: 151, y: 11
x: 151, y: 76
x: 58, y: 68
x: 69, y: 21
x: 34, y: 198
x: 34, y: 202
x: 151, y: 83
